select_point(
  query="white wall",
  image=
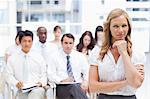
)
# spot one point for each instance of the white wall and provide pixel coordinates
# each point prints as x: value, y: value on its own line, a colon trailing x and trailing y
x: 8, y: 30
x: 90, y: 17
x: 91, y: 9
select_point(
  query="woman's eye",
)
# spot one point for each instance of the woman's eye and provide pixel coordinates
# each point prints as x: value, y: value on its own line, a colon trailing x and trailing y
x: 115, y: 26
x: 124, y: 25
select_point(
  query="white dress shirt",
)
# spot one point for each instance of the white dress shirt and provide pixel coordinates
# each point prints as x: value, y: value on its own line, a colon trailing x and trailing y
x: 110, y: 71
x: 94, y: 53
x: 37, y: 68
x: 39, y: 47
x: 57, y: 66
x: 57, y: 44
x: 44, y: 48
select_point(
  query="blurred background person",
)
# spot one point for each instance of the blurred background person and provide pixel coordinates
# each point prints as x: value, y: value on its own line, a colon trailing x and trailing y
x: 99, y: 36
x: 57, y: 35
x: 13, y: 48
x: 86, y: 43
x: 41, y: 44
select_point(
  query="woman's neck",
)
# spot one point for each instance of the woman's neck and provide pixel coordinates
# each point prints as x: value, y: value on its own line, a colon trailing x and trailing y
x: 115, y: 53
x: 57, y: 39
x: 99, y: 42
x: 84, y: 50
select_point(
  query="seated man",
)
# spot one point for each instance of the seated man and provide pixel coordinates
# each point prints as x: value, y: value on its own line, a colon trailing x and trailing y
x: 69, y: 70
x: 27, y: 67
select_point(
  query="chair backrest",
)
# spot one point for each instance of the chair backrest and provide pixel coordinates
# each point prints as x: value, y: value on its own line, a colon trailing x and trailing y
x: 2, y: 82
x: 2, y: 63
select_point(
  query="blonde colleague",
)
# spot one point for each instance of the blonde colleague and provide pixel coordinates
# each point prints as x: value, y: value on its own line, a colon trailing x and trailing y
x: 118, y: 70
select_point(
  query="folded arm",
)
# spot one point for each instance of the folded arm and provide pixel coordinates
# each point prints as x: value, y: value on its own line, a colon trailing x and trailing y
x: 104, y: 87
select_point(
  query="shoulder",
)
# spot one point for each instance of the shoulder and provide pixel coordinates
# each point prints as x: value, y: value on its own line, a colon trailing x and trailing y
x: 14, y: 57
x: 78, y: 56
x: 96, y: 50
x: 76, y: 53
x: 55, y: 54
x: 51, y: 46
x: 36, y: 55
x: 94, y: 54
x: 35, y: 44
x: 11, y: 49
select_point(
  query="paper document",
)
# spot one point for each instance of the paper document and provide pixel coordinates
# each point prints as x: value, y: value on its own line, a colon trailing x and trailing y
x: 68, y: 83
x: 28, y: 87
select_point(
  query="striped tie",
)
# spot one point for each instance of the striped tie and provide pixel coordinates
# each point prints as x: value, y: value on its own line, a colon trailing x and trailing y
x: 69, y: 68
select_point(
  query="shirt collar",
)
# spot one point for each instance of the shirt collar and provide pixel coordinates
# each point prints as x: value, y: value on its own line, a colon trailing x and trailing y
x: 42, y: 44
x: 64, y: 54
x: 25, y: 54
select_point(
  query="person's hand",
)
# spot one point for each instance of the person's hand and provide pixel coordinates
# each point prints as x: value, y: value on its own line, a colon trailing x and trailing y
x: 84, y: 85
x: 46, y: 87
x: 121, y: 45
x: 69, y: 79
x: 19, y: 85
x: 39, y: 84
x: 140, y: 69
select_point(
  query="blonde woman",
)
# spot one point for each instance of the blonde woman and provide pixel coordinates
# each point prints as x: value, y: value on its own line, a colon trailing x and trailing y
x: 118, y: 70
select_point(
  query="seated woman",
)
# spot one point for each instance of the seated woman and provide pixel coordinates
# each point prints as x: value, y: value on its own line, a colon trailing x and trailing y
x: 86, y: 43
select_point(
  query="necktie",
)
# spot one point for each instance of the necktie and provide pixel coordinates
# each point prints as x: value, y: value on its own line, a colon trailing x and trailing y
x: 25, y: 69
x: 69, y: 68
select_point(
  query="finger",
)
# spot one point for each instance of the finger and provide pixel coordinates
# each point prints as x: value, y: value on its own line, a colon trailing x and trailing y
x: 141, y: 72
x: 20, y: 85
x: 39, y: 84
x: 17, y: 85
x: 114, y: 45
x: 139, y: 65
x: 71, y: 79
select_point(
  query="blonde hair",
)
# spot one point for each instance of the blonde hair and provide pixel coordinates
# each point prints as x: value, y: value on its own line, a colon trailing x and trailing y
x: 107, y: 33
